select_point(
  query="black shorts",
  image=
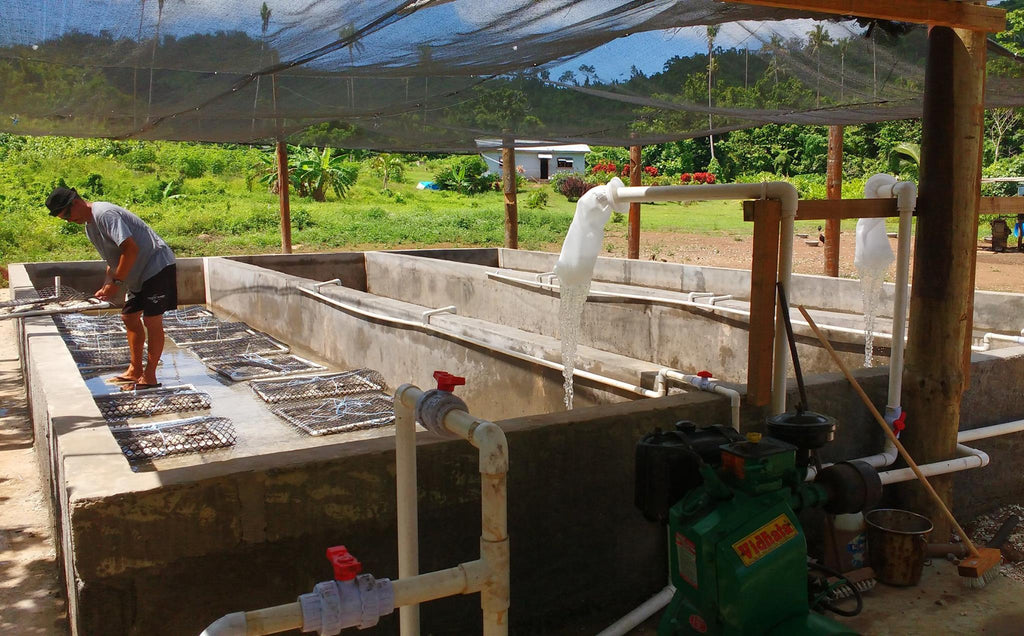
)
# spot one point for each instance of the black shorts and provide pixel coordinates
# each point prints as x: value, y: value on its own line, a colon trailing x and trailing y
x: 159, y: 293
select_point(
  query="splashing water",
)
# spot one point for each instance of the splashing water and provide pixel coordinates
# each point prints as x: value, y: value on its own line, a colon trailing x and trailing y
x: 570, y: 313
x: 871, y: 279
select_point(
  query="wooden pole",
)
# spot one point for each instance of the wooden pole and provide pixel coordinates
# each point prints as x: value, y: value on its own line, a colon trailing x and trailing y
x: 508, y: 184
x: 946, y: 240
x: 633, y: 238
x: 282, y: 180
x: 834, y: 187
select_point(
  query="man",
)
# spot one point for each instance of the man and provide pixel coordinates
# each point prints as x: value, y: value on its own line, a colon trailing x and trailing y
x: 137, y: 260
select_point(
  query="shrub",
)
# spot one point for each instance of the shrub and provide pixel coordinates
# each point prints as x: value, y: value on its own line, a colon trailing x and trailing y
x: 573, y: 188
x: 466, y: 175
x: 537, y: 199
x: 697, y: 177
x: 141, y: 159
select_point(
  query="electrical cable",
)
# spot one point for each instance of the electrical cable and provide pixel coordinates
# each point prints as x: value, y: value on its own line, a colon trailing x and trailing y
x: 820, y: 599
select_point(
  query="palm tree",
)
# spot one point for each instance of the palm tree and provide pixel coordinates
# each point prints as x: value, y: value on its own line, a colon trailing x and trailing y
x: 388, y: 167
x: 818, y: 37
x: 265, y: 17
x: 354, y: 46
x: 712, y: 34
x: 844, y: 46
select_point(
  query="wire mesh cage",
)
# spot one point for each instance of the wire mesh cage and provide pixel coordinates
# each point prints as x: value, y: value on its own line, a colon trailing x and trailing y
x: 174, y: 437
x: 179, y: 399
x: 250, y: 343
x: 83, y: 324
x: 219, y: 330
x: 343, y: 414
x: 43, y: 300
x: 318, y: 386
x: 254, y: 365
x: 189, y: 318
x: 98, y: 359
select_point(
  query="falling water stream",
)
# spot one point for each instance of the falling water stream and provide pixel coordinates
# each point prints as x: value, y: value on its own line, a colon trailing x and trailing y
x: 575, y: 269
x: 872, y: 258
x: 871, y: 279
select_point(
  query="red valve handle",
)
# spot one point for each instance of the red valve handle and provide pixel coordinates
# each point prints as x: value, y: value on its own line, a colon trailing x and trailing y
x: 447, y: 382
x: 705, y: 374
x: 346, y: 566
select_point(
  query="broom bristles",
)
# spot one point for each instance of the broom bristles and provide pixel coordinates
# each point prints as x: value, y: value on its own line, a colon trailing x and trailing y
x: 979, y: 570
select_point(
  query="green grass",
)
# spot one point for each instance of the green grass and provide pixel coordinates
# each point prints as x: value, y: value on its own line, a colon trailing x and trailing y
x: 217, y: 212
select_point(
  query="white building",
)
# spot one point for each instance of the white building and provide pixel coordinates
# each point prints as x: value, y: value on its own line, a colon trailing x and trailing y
x: 538, y: 159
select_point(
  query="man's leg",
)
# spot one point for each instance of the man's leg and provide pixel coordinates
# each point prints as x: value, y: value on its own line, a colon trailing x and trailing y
x: 155, y: 331
x: 136, y: 343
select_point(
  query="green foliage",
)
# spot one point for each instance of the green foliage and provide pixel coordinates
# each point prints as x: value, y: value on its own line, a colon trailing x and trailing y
x: 466, y: 175
x: 573, y: 187
x: 314, y: 172
x: 537, y: 199
x: 389, y: 168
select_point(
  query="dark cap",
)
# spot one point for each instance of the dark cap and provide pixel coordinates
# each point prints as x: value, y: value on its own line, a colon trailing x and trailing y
x: 59, y: 199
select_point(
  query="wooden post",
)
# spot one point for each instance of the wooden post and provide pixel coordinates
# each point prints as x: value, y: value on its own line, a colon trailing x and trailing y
x: 940, y: 304
x: 764, y: 269
x: 282, y: 179
x: 633, y: 238
x: 834, y: 186
x: 282, y: 195
x: 508, y: 184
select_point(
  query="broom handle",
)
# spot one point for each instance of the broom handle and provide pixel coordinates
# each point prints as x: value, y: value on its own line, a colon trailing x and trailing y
x: 888, y: 433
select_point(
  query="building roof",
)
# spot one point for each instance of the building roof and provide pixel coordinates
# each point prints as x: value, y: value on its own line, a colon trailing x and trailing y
x: 528, y: 145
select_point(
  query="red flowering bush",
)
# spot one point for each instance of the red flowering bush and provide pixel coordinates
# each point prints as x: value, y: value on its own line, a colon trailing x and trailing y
x: 604, y: 167
x: 651, y: 171
x: 697, y: 177
x: 574, y: 187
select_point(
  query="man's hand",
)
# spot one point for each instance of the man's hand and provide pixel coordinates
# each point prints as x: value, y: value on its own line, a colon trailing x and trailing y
x: 108, y: 291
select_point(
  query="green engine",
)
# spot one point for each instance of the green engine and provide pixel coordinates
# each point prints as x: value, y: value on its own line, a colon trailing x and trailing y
x: 738, y: 554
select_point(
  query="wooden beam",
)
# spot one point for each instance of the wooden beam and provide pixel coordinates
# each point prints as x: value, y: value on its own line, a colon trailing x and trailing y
x: 1001, y: 205
x: 824, y: 209
x: 974, y: 17
x: 764, y: 268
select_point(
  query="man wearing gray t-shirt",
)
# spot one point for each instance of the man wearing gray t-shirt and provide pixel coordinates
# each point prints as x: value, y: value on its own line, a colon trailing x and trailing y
x: 137, y: 260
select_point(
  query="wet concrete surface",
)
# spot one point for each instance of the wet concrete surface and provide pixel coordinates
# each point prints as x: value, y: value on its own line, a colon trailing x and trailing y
x: 257, y: 429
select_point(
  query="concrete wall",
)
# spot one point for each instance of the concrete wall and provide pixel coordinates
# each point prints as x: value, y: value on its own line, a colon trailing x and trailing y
x: 993, y: 311
x: 530, y: 161
x: 87, y: 277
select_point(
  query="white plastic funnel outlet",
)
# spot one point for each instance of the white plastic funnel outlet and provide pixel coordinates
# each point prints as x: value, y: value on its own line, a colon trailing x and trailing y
x: 583, y: 242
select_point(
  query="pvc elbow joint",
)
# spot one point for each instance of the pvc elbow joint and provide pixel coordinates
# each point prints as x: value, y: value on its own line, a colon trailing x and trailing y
x: 336, y: 605
x: 432, y: 408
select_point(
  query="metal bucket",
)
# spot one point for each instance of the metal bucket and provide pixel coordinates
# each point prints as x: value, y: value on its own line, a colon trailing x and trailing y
x: 896, y: 545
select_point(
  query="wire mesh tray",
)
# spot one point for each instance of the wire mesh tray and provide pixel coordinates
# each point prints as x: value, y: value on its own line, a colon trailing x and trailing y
x: 179, y: 399
x: 250, y: 343
x: 79, y: 324
x: 255, y: 365
x: 312, y: 387
x: 96, y: 359
x: 175, y: 437
x: 355, y: 412
x: 105, y: 340
x: 188, y: 318
x: 219, y: 330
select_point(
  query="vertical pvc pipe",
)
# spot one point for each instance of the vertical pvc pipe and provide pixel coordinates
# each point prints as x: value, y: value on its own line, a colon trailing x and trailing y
x: 899, y: 318
x: 405, y: 485
x: 781, y: 355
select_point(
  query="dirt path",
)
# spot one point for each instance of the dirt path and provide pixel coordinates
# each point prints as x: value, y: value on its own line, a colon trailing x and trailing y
x: 31, y: 597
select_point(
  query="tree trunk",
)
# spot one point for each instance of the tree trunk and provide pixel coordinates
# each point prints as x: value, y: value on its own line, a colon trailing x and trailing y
x: 834, y: 186
x: 508, y: 182
x: 633, y: 239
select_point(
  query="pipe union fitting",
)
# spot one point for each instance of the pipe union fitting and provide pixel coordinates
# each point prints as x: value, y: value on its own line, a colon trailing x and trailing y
x: 336, y: 605
x: 432, y: 408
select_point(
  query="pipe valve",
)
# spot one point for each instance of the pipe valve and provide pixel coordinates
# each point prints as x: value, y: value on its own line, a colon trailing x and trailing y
x: 434, y: 405
x: 350, y: 600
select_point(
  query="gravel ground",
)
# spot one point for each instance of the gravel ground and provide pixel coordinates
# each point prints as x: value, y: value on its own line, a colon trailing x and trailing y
x: 982, y: 528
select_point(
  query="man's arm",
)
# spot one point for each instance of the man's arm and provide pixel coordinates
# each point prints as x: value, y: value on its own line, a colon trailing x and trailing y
x: 129, y: 253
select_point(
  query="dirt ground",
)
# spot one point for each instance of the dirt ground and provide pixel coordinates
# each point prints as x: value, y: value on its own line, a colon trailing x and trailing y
x: 31, y: 597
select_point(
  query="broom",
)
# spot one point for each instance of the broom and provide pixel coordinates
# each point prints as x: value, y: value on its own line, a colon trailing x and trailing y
x: 979, y: 567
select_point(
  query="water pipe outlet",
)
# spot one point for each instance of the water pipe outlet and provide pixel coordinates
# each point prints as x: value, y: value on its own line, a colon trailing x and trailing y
x: 351, y: 600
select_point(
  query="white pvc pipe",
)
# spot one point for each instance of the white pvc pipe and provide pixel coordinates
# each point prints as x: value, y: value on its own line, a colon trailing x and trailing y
x: 270, y: 620
x: 986, y: 432
x: 986, y: 340
x: 646, y: 610
x: 967, y: 458
x: 425, y: 316
x: 407, y: 512
x: 780, y: 190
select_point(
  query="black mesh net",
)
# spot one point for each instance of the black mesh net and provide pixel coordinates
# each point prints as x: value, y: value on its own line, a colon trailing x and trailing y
x: 180, y: 399
x: 441, y: 74
x: 74, y: 325
x: 319, y: 386
x: 189, y: 317
x: 354, y: 412
x: 99, y: 359
x: 46, y: 300
x: 220, y: 330
x: 140, y: 443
